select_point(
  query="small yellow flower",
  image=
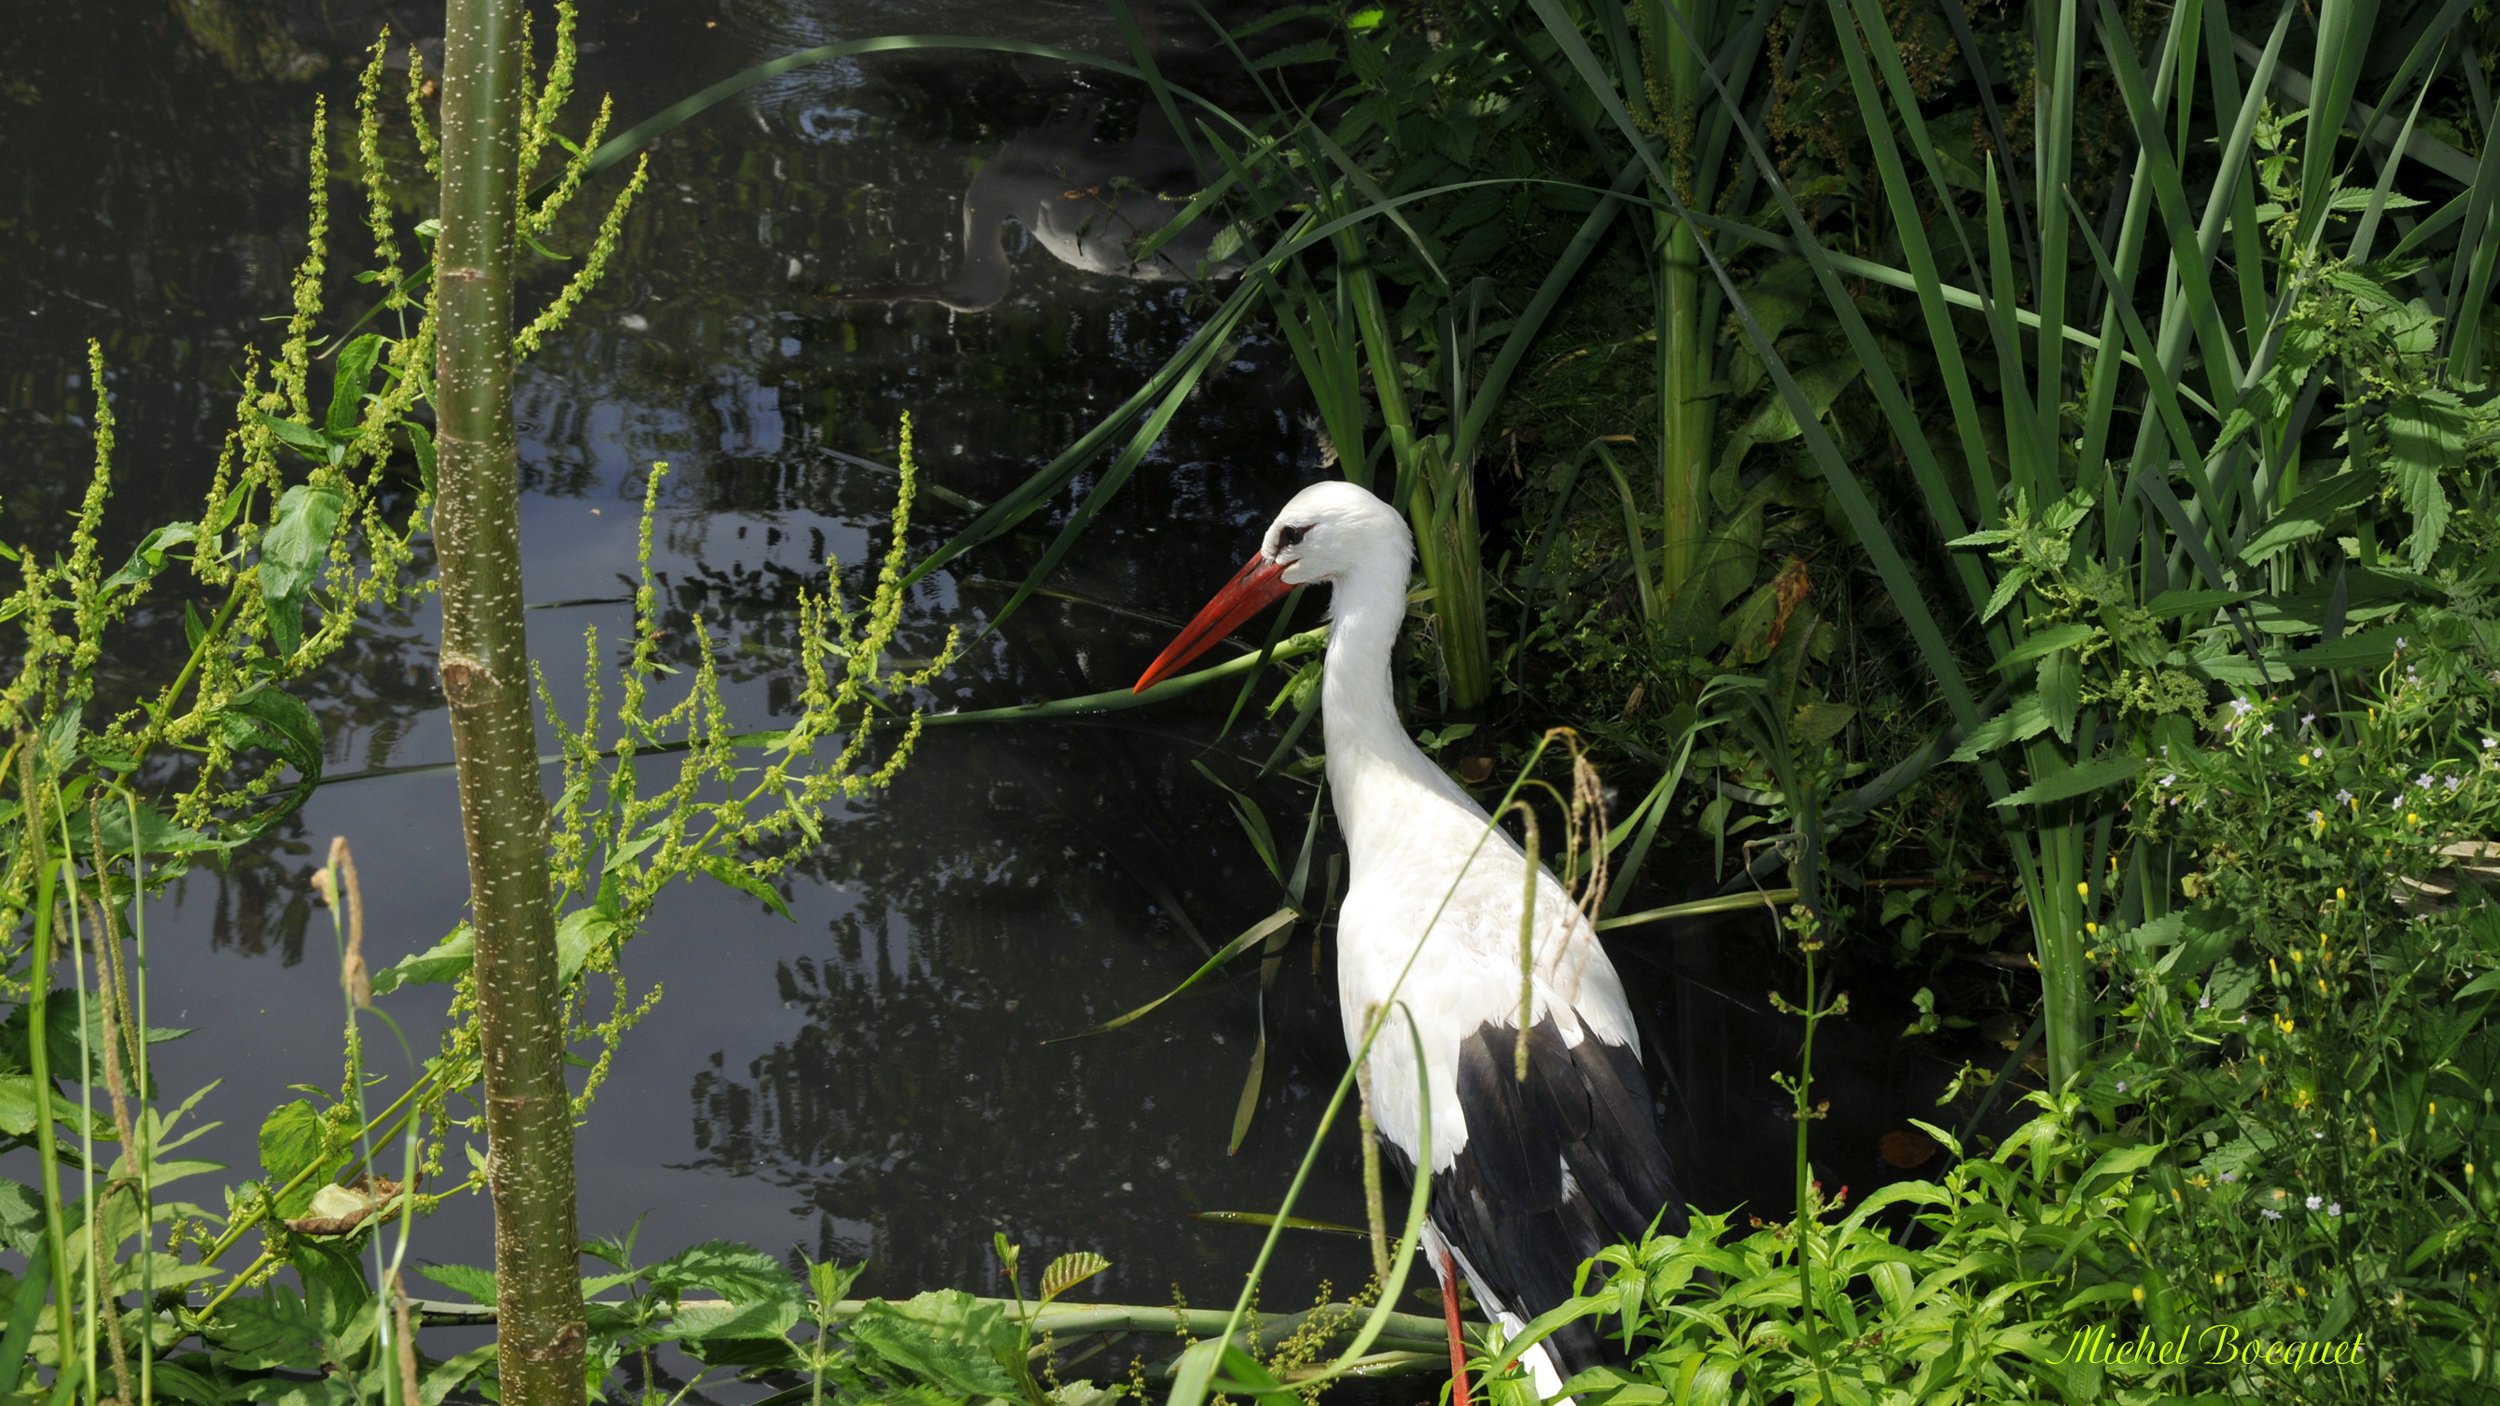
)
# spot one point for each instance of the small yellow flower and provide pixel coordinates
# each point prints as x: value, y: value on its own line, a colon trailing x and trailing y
x: 2413, y: 818
x: 2092, y: 930
x: 2301, y: 1290
x: 2374, y: 1135
x: 2139, y: 1295
x: 2295, y: 956
x: 2339, y: 893
x: 2303, y: 759
x: 2469, y: 1171
x: 2322, y: 986
x: 2317, y: 823
x: 2434, y: 1108
x: 2083, y: 889
x: 2217, y: 1278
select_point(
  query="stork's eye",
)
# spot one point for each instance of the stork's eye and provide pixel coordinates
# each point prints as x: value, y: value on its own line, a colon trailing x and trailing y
x: 1290, y: 536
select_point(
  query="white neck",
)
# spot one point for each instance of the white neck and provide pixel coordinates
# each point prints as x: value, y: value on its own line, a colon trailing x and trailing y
x: 1374, y: 769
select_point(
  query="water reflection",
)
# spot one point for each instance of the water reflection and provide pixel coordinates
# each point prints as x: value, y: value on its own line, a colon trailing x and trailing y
x: 1088, y: 203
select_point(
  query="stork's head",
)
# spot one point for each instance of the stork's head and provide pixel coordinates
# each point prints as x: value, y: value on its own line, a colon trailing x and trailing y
x: 1329, y: 532
x: 1333, y: 528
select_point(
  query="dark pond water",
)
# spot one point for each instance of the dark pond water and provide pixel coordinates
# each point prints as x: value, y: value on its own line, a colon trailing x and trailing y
x: 872, y: 1080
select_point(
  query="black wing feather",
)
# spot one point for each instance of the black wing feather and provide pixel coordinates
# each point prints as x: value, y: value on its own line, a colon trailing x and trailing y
x: 1505, y: 1203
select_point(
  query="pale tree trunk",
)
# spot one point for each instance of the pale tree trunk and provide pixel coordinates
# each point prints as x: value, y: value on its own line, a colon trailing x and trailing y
x: 485, y: 667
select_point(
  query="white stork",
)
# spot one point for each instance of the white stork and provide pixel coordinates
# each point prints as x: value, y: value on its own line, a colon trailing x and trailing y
x: 1529, y: 1177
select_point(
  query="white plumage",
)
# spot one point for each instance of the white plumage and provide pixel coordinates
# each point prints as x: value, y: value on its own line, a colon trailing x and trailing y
x: 1529, y: 1177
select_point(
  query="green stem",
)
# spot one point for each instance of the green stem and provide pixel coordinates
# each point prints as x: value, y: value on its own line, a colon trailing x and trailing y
x: 38, y: 1006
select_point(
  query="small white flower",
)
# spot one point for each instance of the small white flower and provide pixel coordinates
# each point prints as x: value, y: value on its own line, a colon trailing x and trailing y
x: 2400, y: 644
x: 2314, y: 1202
x: 2240, y: 706
x: 2334, y: 1208
x: 2230, y: 1176
x: 2343, y: 798
x: 2455, y: 781
x: 2122, y: 1086
x: 2423, y: 781
x: 2168, y: 777
x: 2271, y: 1213
x: 2204, y: 1002
x: 2306, y: 719
x: 2266, y: 731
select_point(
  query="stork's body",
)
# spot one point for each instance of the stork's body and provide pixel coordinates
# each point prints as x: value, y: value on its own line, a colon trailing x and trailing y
x: 1530, y: 1177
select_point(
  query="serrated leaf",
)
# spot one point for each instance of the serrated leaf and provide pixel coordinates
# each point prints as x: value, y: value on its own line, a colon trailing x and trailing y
x: 1070, y: 1270
x: 2022, y: 720
x: 2076, y: 781
x: 2060, y: 682
x: 2008, y: 586
x: 17, y: 1105
x: 2046, y: 640
x: 943, y: 1338
x: 267, y: 1330
x: 290, y: 1140
x: 471, y: 1283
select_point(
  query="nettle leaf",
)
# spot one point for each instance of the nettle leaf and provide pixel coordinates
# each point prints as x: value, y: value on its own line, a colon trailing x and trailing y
x: 290, y: 1142
x: 2046, y: 640
x: 2022, y: 720
x: 2008, y: 586
x: 944, y: 1338
x: 270, y: 1329
x: 2061, y: 691
x: 474, y: 1284
x: 2423, y: 436
x: 17, y: 1110
x: 738, y: 1273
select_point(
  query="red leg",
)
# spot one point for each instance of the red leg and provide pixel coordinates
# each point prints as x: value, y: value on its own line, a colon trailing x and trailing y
x: 1458, y: 1347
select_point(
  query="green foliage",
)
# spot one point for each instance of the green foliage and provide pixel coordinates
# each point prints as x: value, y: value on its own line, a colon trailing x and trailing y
x: 2005, y: 1257
x: 2312, y: 1026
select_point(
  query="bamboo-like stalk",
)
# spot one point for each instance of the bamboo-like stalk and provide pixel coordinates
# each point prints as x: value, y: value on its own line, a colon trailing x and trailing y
x: 485, y: 669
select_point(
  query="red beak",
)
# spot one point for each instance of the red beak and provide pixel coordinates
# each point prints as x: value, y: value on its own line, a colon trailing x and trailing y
x: 1259, y: 584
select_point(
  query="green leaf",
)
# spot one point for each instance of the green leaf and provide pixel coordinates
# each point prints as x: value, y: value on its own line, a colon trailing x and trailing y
x: 149, y: 558
x: 729, y: 871
x: 2061, y: 691
x: 278, y: 721
x: 290, y: 1140
x: 1070, y: 1270
x: 21, y: 1217
x: 17, y: 1105
x: 2307, y: 515
x: 2076, y: 781
x: 2170, y: 605
x: 446, y: 961
x: 579, y: 934
x: 295, y: 433
x: 2008, y: 586
x: 739, y: 1273
x: 944, y: 1338
x: 2047, y: 640
x: 270, y: 1329
x: 468, y: 1281
x: 291, y: 555
x: 2022, y: 720
x: 421, y: 444
x: 347, y: 387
